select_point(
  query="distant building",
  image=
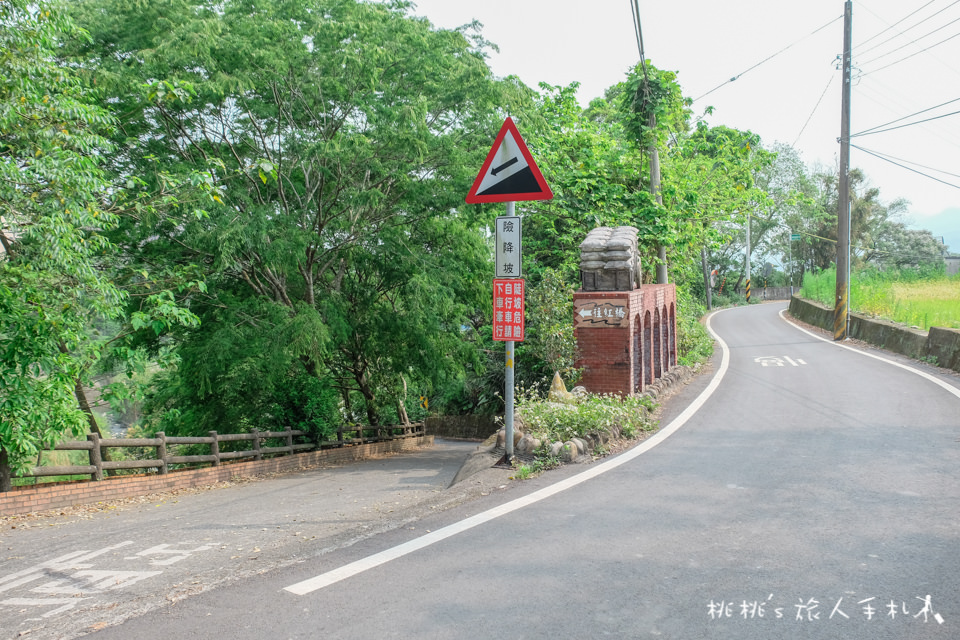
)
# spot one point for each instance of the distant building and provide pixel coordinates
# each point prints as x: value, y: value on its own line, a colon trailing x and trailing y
x: 952, y: 264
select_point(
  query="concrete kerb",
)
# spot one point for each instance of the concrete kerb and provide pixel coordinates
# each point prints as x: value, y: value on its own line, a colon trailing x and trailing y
x: 940, y: 346
x: 490, y: 452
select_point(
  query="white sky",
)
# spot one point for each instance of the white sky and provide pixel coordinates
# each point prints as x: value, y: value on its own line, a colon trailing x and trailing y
x: 707, y: 42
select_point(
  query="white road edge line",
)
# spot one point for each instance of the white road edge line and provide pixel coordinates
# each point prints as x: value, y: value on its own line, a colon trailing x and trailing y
x: 923, y: 374
x: 377, y: 559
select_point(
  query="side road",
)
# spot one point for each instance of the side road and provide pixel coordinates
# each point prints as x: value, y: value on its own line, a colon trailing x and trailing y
x: 71, y: 571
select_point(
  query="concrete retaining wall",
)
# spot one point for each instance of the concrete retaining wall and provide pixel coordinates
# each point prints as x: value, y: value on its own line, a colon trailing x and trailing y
x: 65, y: 494
x: 940, y: 343
x: 767, y: 293
x: 469, y: 427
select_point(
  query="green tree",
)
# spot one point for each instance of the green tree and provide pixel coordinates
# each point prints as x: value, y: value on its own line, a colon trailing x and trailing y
x: 52, y: 226
x: 593, y: 172
x: 338, y: 138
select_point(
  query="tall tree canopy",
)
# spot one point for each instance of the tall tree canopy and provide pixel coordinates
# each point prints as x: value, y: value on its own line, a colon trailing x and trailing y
x: 339, y: 138
x: 52, y: 226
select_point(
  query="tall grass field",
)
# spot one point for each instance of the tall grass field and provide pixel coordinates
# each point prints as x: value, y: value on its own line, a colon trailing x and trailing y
x: 914, y: 298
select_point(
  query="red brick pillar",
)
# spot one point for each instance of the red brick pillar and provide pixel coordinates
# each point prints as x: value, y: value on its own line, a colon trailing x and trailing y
x: 605, y: 324
x: 625, y: 338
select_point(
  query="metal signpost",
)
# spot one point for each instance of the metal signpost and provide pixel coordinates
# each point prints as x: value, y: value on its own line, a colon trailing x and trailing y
x: 509, y: 174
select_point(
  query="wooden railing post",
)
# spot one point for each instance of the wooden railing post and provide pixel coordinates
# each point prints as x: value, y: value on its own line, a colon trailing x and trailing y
x: 214, y: 448
x: 96, y: 460
x: 340, y: 437
x: 256, y: 445
x: 162, y: 452
x: 289, y: 439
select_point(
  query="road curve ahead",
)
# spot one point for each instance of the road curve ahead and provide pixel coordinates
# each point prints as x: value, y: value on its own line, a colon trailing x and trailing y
x: 814, y: 494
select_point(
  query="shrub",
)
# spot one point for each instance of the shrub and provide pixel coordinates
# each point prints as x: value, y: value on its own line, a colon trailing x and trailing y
x: 555, y: 422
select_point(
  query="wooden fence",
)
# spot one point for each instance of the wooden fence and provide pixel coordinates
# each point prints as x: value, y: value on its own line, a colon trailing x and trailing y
x: 165, y: 449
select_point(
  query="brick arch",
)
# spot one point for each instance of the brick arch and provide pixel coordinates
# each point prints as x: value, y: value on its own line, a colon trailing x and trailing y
x: 665, y: 332
x: 636, y: 370
x: 657, y: 345
x: 672, y: 323
x: 647, y: 348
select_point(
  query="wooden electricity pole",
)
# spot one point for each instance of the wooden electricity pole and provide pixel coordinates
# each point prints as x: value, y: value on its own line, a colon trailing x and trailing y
x: 652, y: 150
x: 840, y: 312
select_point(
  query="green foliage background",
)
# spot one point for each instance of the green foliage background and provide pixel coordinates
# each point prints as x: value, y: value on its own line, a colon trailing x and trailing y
x: 252, y: 213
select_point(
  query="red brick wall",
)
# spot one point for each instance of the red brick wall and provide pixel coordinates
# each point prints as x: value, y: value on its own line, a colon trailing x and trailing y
x: 56, y: 496
x: 606, y: 353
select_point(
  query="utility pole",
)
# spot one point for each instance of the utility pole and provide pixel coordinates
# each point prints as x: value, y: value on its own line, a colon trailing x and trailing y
x: 840, y: 311
x: 655, y: 189
x: 748, y: 258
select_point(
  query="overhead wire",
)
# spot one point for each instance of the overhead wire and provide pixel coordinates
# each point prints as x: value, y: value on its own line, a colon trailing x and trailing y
x: 912, y: 42
x: 887, y: 66
x: 872, y: 129
x: 886, y: 158
x: 767, y: 59
x: 900, y: 33
x: 902, y: 126
x: 817, y: 106
x: 893, y: 105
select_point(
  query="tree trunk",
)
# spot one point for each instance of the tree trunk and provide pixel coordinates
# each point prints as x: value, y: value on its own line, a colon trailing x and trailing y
x: 368, y: 396
x: 401, y: 409
x: 6, y: 482
x: 84, y: 405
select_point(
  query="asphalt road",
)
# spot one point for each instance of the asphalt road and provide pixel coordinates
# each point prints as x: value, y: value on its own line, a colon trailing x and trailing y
x: 813, y: 494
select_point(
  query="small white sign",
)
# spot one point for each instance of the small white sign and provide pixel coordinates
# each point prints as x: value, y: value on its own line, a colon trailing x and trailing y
x: 509, y: 249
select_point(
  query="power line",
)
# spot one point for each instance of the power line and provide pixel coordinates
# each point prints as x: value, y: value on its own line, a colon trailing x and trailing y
x: 909, y: 124
x: 817, y: 106
x: 878, y: 155
x: 900, y: 33
x: 917, y: 164
x: 890, y: 99
x: 911, y: 55
x: 768, y: 58
x: 871, y: 129
x: 914, y: 41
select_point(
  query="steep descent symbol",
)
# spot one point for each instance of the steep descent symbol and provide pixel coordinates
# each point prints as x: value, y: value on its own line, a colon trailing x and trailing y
x: 509, y: 172
x: 505, y: 165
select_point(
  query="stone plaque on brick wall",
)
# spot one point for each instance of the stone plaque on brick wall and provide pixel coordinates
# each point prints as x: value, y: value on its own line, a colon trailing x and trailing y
x: 599, y: 313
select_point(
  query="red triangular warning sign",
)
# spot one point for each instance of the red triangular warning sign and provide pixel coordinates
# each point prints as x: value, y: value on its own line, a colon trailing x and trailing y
x: 509, y: 173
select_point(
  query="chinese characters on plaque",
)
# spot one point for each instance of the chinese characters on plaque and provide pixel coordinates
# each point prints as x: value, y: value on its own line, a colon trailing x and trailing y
x: 509, y: 247
x: 508, y: 310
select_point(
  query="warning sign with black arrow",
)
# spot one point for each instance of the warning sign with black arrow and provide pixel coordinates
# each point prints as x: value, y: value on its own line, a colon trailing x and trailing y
x: 509, y: 173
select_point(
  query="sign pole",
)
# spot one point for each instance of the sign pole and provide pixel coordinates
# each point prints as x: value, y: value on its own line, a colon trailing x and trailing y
x: 508, y: 385
x: 509, y: 174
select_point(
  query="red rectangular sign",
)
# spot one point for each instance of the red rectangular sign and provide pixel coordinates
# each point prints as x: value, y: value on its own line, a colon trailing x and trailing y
x: 508, y: 309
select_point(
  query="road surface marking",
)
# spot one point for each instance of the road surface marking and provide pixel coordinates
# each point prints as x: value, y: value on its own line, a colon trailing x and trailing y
x: 935, y: 380
x: 359, y: 566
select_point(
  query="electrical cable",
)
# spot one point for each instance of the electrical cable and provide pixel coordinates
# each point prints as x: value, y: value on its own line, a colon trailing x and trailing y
x: 909, y: 124
x: 768, y: 58
x: 917, y: 164
x: 866, y: 131
x: 817, y: 106
x: 886, y: 97
x: 866, y: 73
x: 877, y: 155
x: 914, y: 41
x: 900, y: 33
x: 636, y: 27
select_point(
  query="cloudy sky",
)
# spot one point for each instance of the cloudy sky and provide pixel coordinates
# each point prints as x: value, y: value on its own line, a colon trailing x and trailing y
x: 904, y: 64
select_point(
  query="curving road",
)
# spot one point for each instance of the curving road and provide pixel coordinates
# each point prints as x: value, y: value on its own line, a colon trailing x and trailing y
x: 810, y: 491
